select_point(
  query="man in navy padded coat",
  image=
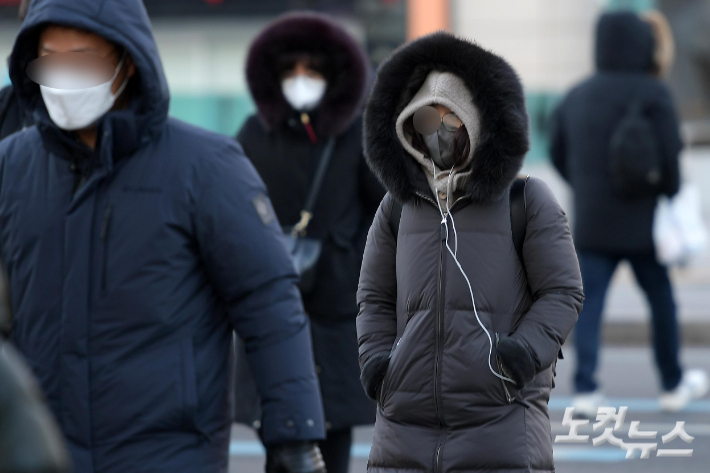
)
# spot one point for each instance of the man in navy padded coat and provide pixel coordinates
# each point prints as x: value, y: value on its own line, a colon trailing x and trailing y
x: 134, y: 246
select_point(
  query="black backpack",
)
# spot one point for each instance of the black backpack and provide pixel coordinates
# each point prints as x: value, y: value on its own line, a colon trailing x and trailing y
x: 635, y: 158
x: 518, y: 215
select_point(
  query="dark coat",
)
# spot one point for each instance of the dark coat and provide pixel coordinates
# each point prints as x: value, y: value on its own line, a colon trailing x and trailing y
x: 585, y: 122
x: 12, y: 119
x: 125, y: 294
x: 280, y: 149
x: 440, y: 407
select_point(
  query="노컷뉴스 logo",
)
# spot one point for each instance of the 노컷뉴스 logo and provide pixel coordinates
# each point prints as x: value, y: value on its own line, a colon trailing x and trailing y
x: 605, y: 415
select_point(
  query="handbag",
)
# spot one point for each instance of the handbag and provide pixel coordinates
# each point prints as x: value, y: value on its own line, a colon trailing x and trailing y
x: 679, y: 231
x: 306, y: 251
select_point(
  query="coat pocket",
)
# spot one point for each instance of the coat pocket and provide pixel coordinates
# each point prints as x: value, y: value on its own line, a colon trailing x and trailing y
x: 383, y: 386
x: 560, y: 356
x: 152, y: 390
x: 511, y: 394
x: 506, y: 392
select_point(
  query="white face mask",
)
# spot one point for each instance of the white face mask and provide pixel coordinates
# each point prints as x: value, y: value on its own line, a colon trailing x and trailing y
x: 76, y: 109
x: 302, y: 92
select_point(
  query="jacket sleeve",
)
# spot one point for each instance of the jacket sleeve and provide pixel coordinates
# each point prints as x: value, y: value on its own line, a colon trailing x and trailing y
x: 241, y: 248
x: 666, y: 125
x: 558, y: 143
x: 377, y: 291
x: 553, y: 277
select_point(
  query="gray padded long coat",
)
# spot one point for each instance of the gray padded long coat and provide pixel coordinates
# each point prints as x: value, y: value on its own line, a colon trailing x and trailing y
x: 440, y: 408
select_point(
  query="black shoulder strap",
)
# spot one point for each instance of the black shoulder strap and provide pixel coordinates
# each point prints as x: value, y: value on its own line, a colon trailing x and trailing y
x: 395, y: 217
x: 320, y: 176
x: 519, y: 215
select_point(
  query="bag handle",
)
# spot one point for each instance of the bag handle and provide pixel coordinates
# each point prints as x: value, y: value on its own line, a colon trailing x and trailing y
x: 307, y: 212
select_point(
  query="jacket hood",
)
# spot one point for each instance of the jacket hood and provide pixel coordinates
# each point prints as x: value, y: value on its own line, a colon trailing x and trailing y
x: 495, y: 93
x: 309, y: 33
x: 124, y: 22
x: 450, y: 90
x: 624, y: 43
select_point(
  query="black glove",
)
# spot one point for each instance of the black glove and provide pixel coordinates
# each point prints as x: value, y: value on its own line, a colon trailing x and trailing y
x: 373, y: 372
x: 296, y: 457
x: 518, y: 363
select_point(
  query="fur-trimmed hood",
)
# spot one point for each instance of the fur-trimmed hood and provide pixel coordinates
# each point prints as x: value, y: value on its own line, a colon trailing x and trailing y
x: 496, y: 92
x: 316, y: 33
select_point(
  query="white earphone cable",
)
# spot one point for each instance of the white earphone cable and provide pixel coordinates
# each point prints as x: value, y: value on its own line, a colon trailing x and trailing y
x: 444, y: 220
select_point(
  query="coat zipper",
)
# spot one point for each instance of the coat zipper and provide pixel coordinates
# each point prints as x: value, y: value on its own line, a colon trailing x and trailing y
x: 104, y: 239
x: 440, y: 330
x: 439, y: 348
x: 439, y: 337
x: 437, y: 461
x: 438, y: 322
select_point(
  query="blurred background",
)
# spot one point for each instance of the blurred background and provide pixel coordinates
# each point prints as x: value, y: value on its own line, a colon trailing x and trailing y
x: 203, y: 44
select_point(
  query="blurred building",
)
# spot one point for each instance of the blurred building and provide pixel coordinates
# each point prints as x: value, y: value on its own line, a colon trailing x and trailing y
x: 204, y: 44
x: 690, y: 77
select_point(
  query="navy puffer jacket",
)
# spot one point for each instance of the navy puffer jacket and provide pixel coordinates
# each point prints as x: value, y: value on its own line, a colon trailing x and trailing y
x: 126, y: 292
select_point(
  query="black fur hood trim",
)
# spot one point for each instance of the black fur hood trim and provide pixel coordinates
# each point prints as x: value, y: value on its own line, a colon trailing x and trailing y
x: 317, y: 33
x: 497, y: 93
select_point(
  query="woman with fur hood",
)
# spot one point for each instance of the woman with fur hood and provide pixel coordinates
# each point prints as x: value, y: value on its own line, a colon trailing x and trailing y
x: 308, y: 78
x: 458, y: 335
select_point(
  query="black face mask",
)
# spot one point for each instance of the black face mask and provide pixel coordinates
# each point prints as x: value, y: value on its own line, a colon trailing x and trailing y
x: 441, y: 148
x: 438, y: 136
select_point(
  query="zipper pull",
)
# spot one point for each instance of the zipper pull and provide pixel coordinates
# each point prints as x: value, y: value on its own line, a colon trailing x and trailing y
x: 444, y: 231
x: 394, y: 347
x: 104, y: 225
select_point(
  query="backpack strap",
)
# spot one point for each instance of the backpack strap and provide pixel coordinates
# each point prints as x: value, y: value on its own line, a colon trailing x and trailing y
x: 395, y: 217
x: 519, y: 215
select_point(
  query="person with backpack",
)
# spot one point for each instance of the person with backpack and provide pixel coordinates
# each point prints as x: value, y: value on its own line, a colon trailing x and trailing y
x: 470, y: 283
x: 616, y: 141
x: 309, y: 77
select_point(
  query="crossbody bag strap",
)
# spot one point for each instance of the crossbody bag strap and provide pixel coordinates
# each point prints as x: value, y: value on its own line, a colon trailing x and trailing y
x: 307, y: 212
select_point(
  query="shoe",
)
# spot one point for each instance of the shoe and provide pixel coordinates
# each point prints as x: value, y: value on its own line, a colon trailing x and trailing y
x: 694, y: 385
x: 587, y: 405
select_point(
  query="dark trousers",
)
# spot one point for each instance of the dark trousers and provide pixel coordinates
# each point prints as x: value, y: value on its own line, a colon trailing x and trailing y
x: 336, y: 450
x: 597, y: 271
